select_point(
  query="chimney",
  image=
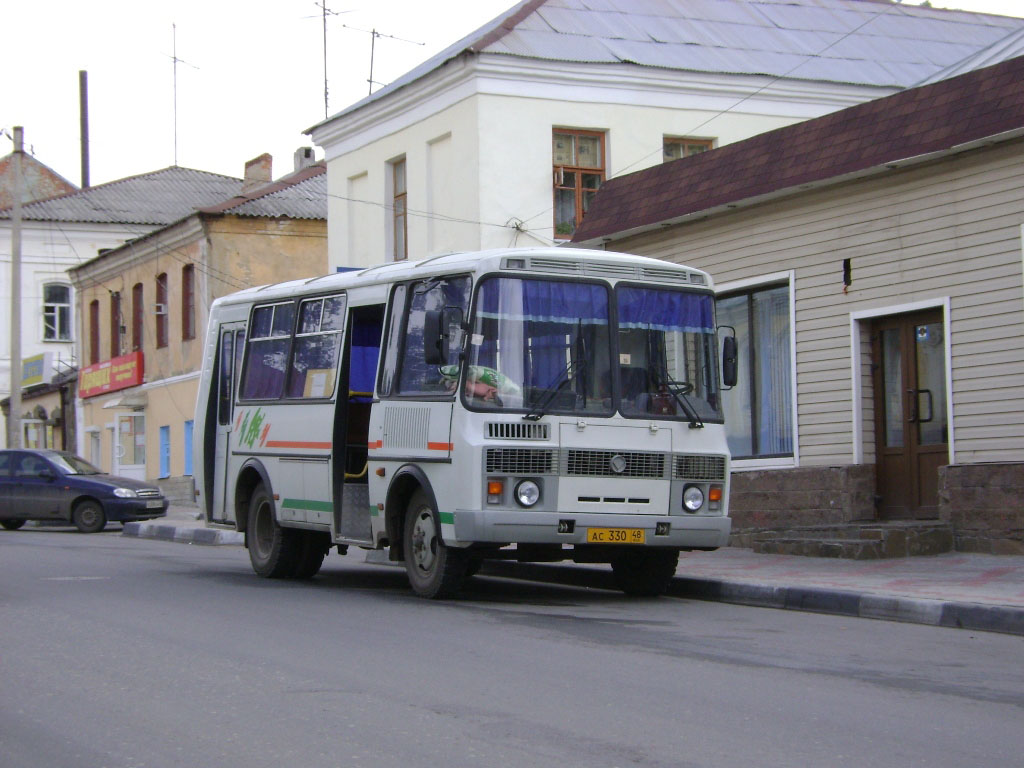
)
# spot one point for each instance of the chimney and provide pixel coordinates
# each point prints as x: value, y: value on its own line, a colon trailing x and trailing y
x: 304, y: 158
x: 258, y: 171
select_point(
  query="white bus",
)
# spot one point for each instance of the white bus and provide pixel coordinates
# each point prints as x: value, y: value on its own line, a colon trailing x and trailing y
x: 535, y: 405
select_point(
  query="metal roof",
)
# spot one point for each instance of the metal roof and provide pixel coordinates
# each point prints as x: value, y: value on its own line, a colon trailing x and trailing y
x: 301, y: 195
x: 861, y: 42
x: 158, y: 198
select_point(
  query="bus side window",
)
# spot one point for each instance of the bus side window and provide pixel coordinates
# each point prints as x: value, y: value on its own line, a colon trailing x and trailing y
x: 393, y: 340
x: 415, y: 375
x: 226, y: 359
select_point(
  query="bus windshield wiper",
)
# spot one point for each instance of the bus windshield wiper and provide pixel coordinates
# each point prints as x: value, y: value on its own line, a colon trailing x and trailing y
x: 572, y: 368
x: 679, y: 390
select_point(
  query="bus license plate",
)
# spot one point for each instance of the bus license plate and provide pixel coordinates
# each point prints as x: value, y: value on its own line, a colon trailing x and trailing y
x: 616, y: 536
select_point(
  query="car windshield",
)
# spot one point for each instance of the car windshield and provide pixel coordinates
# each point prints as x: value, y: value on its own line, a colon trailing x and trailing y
x: 70, y: 464
x: 667, y: 358
x: 540, y: 346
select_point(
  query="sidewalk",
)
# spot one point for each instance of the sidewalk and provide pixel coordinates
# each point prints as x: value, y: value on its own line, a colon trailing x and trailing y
x: 969, y: 591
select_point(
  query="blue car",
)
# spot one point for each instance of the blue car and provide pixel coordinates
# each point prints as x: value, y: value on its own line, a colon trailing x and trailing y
x: 59, y: 486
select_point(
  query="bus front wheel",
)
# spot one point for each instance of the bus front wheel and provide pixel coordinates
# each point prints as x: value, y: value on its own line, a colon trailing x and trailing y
x: 273, y: 551
x: 645, y: 572
x: 434, y: 569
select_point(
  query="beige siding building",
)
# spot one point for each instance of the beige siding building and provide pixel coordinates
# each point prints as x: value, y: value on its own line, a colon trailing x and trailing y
x: 144, y: 307
x: 873, y: 275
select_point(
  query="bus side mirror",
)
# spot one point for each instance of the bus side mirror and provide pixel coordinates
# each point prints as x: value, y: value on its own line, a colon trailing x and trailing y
x: 439, y: 325
x: 729, y: 372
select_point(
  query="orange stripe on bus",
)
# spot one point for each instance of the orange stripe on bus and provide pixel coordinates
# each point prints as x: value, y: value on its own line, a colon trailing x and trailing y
x: 439, y: 446
x: 375, y: 444
x: 297, y: 444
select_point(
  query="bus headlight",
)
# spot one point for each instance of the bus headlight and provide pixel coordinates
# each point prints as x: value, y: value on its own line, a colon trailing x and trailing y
x: 693, y: 498
x: 527, y: 493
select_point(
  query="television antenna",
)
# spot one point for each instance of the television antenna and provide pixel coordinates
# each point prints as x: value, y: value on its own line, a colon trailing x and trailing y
x: 175, y: 60
x: 374, y: 34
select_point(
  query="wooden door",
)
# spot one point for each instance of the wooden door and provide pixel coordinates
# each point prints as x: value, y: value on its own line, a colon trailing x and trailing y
x: 911, y: 424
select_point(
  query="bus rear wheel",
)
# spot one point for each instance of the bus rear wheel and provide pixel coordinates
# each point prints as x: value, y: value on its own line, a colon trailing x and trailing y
x: 274, y: 552
x: 645, y: 573
x: 434, y: 569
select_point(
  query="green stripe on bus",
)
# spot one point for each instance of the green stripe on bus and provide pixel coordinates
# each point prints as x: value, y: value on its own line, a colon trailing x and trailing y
x: 310, y: 504
x: 374, y: 512
x: 447, y: 518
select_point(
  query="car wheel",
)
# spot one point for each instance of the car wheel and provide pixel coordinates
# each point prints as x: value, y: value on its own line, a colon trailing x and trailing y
x: 645, y: 573
x: 434, y: 569
x: 88, y: 517
x: 273, y: 551
x: 12, y: 525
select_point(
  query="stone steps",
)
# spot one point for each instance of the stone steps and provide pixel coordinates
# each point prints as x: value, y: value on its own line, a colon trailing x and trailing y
x: 868, y: 540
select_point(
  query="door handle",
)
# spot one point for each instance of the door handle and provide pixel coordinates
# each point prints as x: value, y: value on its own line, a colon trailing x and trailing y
x: 927, y: 392
x: 915, y: 402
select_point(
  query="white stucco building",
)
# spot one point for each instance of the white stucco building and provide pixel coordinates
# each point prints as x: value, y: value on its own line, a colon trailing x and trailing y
x: 503, y: 138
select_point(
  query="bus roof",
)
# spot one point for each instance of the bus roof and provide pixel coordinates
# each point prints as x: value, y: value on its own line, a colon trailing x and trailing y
x: 565, y: 262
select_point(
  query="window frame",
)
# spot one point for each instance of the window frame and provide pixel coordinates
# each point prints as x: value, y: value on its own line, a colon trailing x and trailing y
x: 94, y: 331
x: 62, y: 330
x: 162, y: 320
x: 559, y: 171
x: 115, y: 324
x: 686, y: 142
x: 188, y: 302
x: 399, y: 209
x: 749, y: 287
x: 138, y: 316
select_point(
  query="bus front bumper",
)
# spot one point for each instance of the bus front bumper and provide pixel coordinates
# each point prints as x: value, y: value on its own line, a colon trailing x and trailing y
x: 517, y: 527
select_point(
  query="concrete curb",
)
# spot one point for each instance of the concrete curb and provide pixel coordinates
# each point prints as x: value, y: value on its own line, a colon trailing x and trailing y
x: 937, y: 613
x: 184, y: 534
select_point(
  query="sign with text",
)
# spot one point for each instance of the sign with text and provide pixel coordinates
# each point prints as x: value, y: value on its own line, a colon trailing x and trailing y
x: 111, y: 375
x: 37, y: 369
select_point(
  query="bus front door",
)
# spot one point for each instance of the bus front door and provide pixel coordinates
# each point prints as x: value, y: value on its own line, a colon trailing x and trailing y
x: 229, y: 360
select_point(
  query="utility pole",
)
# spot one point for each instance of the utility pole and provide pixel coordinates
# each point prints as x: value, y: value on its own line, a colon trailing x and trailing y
x: 14, y: 416
x: 83, y: 112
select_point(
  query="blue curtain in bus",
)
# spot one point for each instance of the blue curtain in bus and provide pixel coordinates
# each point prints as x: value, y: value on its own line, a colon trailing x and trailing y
x: 666, y: 310
x: 544, y: 301
x: 363, y: 358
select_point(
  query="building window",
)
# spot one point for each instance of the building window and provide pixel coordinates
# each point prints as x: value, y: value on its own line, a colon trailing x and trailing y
x: 161, y: 310
x: 400, y: 223
x: 578, y: 158
x: 115, y: 324
x: 94, y: 331
x: 56, y: 312
x: 138, y: 315
x: 759, y: 409
x: 675, y: 148
x: 188, y: 302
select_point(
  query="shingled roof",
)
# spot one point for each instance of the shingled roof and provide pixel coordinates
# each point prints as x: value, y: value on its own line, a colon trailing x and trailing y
x: 300, y: 195
x: 912, y: 124
x: 154, y: 199
x: 863, y: 42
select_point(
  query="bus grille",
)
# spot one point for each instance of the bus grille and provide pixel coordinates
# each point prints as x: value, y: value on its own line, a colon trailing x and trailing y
x: 510, y: 430
x: 700, y: 468
x: 581, y: 463
x: 520, y: 461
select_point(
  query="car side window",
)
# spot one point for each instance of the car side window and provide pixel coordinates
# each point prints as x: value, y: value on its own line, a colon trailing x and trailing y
x: 5, y: 463
x: 28, y: 465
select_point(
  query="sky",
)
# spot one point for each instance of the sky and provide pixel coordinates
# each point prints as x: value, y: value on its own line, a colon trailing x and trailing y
x: 250, y: 76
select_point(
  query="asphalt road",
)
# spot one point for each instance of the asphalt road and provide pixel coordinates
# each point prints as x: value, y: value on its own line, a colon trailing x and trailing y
x: 119, y: 652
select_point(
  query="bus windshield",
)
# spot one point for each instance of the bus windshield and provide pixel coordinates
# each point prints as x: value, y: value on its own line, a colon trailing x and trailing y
x: 540, y: 346
x: 544, y: 346
x: 667, y: 359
